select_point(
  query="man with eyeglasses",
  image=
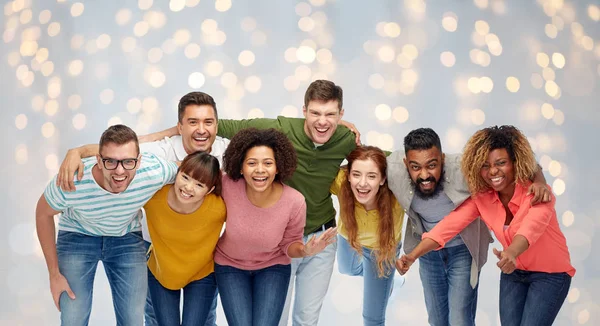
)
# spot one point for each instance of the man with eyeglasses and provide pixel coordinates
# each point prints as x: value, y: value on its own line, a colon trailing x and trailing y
x: 100, y: 222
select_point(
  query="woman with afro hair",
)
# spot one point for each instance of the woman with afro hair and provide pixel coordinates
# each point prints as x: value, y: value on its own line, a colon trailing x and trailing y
x: 498, y: 164
x: 264, y: 228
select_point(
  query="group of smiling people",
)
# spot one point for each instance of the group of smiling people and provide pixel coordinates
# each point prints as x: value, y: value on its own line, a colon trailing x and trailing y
x: 269, y: 183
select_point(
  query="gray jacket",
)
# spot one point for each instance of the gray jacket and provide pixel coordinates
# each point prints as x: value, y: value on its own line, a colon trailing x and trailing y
x: 476, y: 235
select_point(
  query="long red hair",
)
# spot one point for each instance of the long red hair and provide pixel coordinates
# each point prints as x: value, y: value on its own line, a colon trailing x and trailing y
x: 386, y: 253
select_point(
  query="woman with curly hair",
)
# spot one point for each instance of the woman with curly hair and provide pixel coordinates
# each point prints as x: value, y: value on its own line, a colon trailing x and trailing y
x: 264, y: 230
x: 370, y: 226
x: 498, y: 164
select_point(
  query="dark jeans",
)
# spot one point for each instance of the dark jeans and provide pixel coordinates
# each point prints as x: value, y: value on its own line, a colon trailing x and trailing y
x: 150, y: 316
x: 253, y: 297
x: 532, y: 298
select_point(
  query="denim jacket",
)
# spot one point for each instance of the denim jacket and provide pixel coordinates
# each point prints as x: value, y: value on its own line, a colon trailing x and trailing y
x: 476, y: 235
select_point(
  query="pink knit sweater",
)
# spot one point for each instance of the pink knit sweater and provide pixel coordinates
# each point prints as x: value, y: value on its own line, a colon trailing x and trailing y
x: 257, y: 238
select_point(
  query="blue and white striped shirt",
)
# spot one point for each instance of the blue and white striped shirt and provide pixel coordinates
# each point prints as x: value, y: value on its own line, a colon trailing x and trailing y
x: 92, y: 210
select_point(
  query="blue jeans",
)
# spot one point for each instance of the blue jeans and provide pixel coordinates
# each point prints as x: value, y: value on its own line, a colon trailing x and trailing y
x: 532, y: 298
x: 125, y: 265
x: 310, y: 277
x: 253, y: 297
x: 150, y: 316
x: 449, y: 297
x: 197, y: 301
x: 376, y: 290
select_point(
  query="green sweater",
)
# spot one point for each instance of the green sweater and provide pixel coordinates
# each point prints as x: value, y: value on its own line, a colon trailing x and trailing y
x: 317, y: 166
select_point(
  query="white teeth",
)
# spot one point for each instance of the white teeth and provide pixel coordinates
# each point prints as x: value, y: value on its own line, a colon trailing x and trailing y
x: 322, y: 129
x: 201, y: 139
x: 426, y: 182
x: 184, y: 194
x: 260, y: 179
x: 363, y: 191
x: 119, y: 178
x: 498, y: 179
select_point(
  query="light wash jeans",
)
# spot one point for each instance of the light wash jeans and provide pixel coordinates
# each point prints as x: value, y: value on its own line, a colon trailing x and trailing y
x: 310, y: 276
x: 124, y: 260
x: 377, y: 289
x: 449, y: 297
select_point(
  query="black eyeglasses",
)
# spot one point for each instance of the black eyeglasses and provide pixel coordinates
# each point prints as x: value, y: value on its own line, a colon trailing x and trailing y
x: 112, y: 164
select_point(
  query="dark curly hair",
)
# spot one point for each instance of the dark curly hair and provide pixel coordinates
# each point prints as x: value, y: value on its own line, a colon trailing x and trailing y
x: 421, y: 139
x: 245, y: 139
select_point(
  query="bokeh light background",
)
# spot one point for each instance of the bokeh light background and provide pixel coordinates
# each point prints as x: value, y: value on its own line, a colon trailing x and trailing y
x: 70, y: 69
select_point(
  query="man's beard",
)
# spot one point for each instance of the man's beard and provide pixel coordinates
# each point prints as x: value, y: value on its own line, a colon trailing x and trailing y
x: 438, y: 187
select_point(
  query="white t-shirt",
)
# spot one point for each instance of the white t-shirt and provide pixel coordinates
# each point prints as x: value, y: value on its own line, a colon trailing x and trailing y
x: 171, y: 149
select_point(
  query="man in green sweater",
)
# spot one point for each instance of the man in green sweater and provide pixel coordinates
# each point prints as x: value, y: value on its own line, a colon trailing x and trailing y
x: 321, y: 147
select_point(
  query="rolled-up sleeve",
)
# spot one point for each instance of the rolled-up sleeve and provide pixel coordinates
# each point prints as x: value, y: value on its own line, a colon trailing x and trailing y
x: 453, y: 223
x: 537, y: 219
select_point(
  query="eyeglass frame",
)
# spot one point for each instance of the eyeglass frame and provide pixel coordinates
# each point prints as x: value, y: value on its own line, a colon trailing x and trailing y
x: 136, y: 160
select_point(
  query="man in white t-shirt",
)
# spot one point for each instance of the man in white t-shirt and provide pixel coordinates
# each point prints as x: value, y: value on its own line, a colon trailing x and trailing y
x: 197, y: 125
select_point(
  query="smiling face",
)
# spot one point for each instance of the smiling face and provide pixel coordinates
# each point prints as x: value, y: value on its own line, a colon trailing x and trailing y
x: 117, y: 180
x: 188, y: 190
x: 498, y: 172
x: 365, y: 179
x: 198, y: 128
x: 425, y: 169
x: 259, y: 168
x: 321, y: 120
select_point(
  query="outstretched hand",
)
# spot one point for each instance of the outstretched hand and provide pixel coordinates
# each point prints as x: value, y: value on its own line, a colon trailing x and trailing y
x: 316, y: 245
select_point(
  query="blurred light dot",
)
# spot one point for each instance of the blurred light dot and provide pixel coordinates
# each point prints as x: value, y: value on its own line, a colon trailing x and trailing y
x: 37, y: 103
x: 246, y: 58
x: 45, y: 16
x: 103, y: 41
x: 192, y: 51
x: 512, y: 84
x: 306, y: 54
x: 51, y: 107
x: 145, y: 4
x: 558, y: 186
x: 559, y: 117
x: 21, y: 121
x: 410, y: 51
x: 75, y: 67
x: 54, y: 87
x: 551, y: 31
x: 594, y: 12
x: 176, y: 5
x: 228, y: 80
x: 448, y: 59
x: 150, y: 105
x: 481, y: 4
x: 477, y: 117
x: 134, y: 105
x: 154, y: 55
x: 317, y: 3
x: 140, y: 28
x: 77, y: 9
x: 537, y: 81
x: 222, y: 5
x: 392, y: 29
x: 486, y: 84
x: 324, y: 56
x: 574, y: 293
x: 376, y: 81
x: 386, y: 53
x: 28, y: 48
x: 576, y: 29
x: 400, y: 114
x: 290, y: 83
x: 42, y: 55
x: 303, y: 73
x: 155, y: 19
x: 128, y: 44
x: 303, y: 9
x: 403, y: 61
x: 74, y: 102
x: 182, y: 37
x: 587, y: 43
x: 253, y: 84
x: 77, y: 42
x: 107, y: 96
x: 157, y: 79
x: 191, y: 3
x: 306, y: 24
x: 548, y: 73
x: 213, y: 68
x: 450, y: 22
x: 289, y: 111
x: 114, y: 121
x: 123, y: 16
x: 290, y: 55
x: 558, y: 60
x: 409, y: 76
x: 542, y: 59
x: 583, y: 317
x: 547, y: 110
x: 53, y: 29
x: 25, y: 16
x: 320, y: 18
x: 28, y: 80
x: 196, y: 80
x: 48, y: 129
x: 51, y: 162
x: 478, y: 39
x: 21, y: 154
x: 383, y: 112
x: 209, y: 26
x: 474, y: 85
x: 551, y: 88
x: 79, y: 121
x: 554, y: 168
x: 482, y: 27
x: 255, y: 113
x: 14, y: 58
x: 22, y: 71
